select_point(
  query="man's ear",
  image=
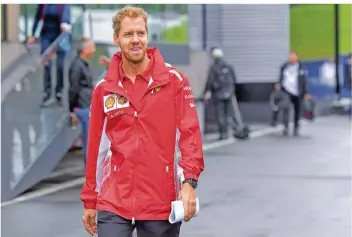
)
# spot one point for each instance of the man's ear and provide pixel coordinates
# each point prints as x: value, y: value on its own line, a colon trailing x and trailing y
x: 116, y: 40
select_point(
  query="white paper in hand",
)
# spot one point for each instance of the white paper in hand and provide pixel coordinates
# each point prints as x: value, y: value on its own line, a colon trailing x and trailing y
x: 178, y: 212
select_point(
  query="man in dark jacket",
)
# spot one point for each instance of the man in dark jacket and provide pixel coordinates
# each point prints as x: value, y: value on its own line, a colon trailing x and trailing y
x: 52, y: 19
x: 81, y: 86
x: 293, y: 81
x: 221, y: 85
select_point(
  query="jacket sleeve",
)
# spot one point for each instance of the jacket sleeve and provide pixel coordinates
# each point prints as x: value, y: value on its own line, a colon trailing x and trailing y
x: 66, y: 14
x: 74, y: 78
x: 234, y: 79
x: 37, y: 18
x: 281, y: 74
x: 305, y: 80
x: 190, y: 142
x: 233, y: 75
x: 210, y: 80
x: 96, y: 128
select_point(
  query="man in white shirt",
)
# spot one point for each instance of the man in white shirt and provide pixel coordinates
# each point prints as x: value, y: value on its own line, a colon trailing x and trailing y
x: 328, y: 73
x: 293, y: 81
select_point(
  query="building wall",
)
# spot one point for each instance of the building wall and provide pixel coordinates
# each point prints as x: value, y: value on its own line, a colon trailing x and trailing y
x: 255, y: 39
x: 11, y: 20
x: 195, y: 26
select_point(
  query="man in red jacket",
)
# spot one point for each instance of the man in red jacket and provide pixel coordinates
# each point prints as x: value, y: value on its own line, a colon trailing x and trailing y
x: 137, y: 113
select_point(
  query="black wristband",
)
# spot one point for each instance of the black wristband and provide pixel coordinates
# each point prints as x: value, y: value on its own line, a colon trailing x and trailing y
x: 192, y: 182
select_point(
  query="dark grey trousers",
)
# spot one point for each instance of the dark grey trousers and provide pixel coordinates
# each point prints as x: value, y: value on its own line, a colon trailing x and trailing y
x: 112, y: 225
x: 224, y: 110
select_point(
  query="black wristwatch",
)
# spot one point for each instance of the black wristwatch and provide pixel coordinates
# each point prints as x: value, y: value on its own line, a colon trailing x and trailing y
x: 192, y: 182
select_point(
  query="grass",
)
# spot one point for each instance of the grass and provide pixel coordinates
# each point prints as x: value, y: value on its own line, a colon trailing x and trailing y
x: 312, y: 30
x: 176, y: 35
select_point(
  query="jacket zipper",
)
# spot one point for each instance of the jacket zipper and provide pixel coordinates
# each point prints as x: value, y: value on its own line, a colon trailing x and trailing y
x: 134, y: 197
x: 135, y: 117
x: 134, y: 174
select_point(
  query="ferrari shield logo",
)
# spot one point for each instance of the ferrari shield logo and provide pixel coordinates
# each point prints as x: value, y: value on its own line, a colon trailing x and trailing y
x: 110, y: 102
x: 157, y: 89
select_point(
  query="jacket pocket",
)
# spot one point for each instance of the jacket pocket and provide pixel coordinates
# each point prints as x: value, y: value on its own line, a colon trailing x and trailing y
x: 170, y: 184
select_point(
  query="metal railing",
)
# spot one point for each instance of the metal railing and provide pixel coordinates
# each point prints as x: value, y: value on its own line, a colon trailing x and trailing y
x: 27, y: 127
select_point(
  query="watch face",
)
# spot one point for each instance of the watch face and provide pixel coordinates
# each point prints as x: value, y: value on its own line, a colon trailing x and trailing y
x: 194, y: 185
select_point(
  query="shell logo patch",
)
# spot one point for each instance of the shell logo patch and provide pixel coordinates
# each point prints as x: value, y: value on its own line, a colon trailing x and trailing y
x: 157, y: 89
x: 114, y: 101
x: 110, y: 102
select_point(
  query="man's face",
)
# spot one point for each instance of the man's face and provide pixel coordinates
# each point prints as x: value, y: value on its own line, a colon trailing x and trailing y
x: 132, y: 39
x: 292, y: 58
x: 89, y: 50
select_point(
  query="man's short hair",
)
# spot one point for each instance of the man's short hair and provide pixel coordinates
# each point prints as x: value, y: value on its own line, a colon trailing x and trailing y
x: 128, y: 11
x: 82, y: 43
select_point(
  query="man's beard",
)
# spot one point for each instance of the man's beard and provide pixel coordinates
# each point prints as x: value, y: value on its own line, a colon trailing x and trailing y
x: 133, y: 60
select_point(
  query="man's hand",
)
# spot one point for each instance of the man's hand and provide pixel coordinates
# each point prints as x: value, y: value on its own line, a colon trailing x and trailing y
x: 307, y: 97
x: 104, y: 61
x: 31, y: 40
x: 89, y: 221
x: 74, y: 119
x: 65, y: 27
x: 188, y: 197
x: 207, y: 96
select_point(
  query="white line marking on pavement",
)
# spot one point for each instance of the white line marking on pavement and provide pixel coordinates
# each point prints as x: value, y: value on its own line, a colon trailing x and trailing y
x: 80, y: 181
x: 70, y: 170
x: 46, y: 191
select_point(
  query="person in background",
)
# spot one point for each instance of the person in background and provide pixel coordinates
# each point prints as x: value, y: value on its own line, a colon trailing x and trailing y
x: 328, y: 73
x: 221, y: 84
x: 50, y: 20
x: 81, y: 86
x: 137, y: 111
x: 293, y: 81
x: 348, y: 72
x: 348, y: 80
x: 279, y: 101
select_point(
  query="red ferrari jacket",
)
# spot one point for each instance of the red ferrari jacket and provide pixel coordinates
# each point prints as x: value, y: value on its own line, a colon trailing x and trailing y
x: 132, y: 169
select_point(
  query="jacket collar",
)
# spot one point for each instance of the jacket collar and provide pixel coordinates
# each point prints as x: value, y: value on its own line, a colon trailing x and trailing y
x: 157, y: 71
